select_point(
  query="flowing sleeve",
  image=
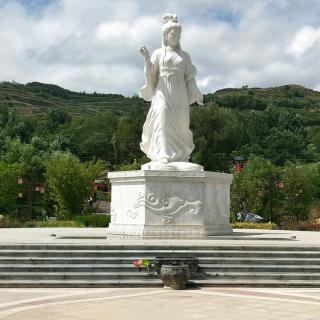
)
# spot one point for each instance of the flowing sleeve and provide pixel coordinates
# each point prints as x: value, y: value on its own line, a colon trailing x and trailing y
x: 194, y: 93
x: 151, y: 70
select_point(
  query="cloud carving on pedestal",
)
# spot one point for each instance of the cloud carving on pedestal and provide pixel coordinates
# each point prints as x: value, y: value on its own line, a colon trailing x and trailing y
x: 168, y: 208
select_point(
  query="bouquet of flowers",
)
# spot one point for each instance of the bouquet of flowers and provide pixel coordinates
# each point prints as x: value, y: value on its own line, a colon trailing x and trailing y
x: 143, y: 264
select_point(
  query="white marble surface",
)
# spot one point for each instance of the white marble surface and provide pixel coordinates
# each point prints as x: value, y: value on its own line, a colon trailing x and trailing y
x: 171, y: 87
x: 172, y: 166
x: 170, y: 203
x: 170, y: 196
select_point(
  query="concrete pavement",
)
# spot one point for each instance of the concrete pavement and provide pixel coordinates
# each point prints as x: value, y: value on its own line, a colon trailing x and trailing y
x: 99, y: 236
x: 140, y: 303
x: 158, y: 303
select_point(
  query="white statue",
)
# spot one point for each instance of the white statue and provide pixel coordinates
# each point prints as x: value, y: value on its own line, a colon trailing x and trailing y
x: 171, y: 86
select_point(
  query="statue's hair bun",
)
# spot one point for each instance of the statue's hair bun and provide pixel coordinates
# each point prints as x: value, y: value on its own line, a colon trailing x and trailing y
x: 169, y: 17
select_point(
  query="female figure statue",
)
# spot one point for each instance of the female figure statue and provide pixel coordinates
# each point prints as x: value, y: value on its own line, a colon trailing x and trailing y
x: 171, y: 88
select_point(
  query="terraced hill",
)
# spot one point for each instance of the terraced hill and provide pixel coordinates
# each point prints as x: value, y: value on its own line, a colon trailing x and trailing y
x: 300, y: 99
x: 34, y: 98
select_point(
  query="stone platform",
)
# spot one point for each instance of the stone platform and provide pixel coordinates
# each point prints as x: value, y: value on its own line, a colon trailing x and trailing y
x: 170, y: 203
x: 87, y: 257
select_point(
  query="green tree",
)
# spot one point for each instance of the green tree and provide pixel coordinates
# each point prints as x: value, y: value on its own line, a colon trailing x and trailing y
x: 275, y: 134
x: 284, y: 145
x: 90, y: 137
x: 23, y: 153
x: 254, y: 189
x: 217, y: 133
x: 70, y: 181
x: 312, y: 172
x: 52, y: 121
x: 297, y: 193
x: 129, y: 132
x: 13, y: 126
x: 4, y: 115
x: 30, y: 155
x: 9, y: 187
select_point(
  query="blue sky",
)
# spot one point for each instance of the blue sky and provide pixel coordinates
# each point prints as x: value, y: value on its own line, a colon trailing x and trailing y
x: 33, y: 6
x: 92, y: 45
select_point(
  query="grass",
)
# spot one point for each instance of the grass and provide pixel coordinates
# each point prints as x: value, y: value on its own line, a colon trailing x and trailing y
x: 82, y: 221
x: 254, y: 225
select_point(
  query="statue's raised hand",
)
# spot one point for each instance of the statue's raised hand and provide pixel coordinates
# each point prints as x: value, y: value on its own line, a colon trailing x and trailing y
x: 144, y: 51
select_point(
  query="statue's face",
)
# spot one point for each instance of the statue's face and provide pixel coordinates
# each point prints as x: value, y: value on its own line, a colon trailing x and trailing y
x: 173, y: 37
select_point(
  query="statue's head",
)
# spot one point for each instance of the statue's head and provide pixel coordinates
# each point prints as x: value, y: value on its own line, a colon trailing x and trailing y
x: 171, y: 30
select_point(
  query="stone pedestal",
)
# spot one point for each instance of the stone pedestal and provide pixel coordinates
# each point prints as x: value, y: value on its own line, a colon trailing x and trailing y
x: 170, y: 203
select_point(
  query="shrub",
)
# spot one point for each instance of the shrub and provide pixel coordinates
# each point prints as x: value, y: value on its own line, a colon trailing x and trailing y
x: 7, y: 222
x: 53, y: 224
x: 309, y: 225
x: 253, y: 225
x: 95, y: 220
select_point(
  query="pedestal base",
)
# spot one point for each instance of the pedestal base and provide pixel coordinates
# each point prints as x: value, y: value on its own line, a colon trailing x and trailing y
x: 170, y: 203
x: 172, y: 166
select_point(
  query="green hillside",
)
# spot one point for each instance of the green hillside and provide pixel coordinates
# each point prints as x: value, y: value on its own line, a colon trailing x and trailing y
x: 34, y: 98
x: 276, y: 130
x: 297, y: 98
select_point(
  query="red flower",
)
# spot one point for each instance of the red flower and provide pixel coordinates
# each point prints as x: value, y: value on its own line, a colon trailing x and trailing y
x: 137, y: 263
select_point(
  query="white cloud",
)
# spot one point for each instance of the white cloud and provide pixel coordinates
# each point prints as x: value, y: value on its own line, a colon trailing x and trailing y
x: 303, y: 40
x: 206, y: 81
x: 93, y: 45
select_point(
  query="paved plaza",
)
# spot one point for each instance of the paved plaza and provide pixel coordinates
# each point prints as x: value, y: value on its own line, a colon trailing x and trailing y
x: 98, y: 236
x: 140, y: 303
x: 158, y: 303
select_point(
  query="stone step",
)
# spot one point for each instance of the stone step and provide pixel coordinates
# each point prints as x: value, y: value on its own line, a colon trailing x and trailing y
x: 129, y: 260
x: 103, y: 266
x: 260, y: 260
x: 65, y: 260
x: 122, y: 267
x: 155, y: 283
x: 133, y: 274
x: 68, y: 268
x: 258, y: 268
x: 257, y: 283
x: 171, y: 248
x: 45, y: 276
x: 80, y: 283
x: 259, y: 275
x: 154, y: 253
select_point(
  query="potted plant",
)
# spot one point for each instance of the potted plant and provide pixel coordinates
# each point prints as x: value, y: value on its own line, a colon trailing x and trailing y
x: 175, y: 276
x: 174, y: 272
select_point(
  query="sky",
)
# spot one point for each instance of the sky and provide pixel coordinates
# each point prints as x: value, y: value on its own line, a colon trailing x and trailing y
x: 92, y: 45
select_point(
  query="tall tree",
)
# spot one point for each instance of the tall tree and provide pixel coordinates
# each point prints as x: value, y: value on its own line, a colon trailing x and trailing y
x: 9, y: 187
x: 217, y: 133
x: 254, y: 189
x: 70, y: 181
x: 297, y: 193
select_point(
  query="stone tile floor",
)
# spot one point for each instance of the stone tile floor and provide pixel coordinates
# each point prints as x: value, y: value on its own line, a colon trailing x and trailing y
x: 151, y: 303
x: 98, y: 236
x: 158, y: 303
